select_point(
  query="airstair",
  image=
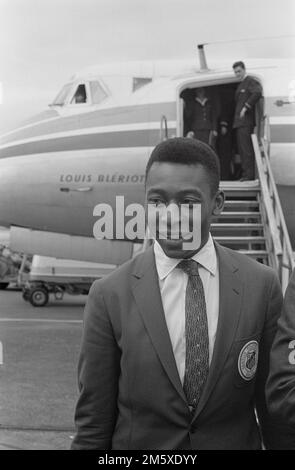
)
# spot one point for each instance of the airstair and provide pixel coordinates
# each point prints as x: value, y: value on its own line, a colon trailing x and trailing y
x: 240, y: 225
x: 252, y: 221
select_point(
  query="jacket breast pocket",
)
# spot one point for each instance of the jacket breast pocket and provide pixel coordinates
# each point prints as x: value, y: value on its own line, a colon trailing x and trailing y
x: 246, y: 355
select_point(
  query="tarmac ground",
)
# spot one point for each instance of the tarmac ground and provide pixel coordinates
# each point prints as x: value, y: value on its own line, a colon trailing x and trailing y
x: 38, y: 371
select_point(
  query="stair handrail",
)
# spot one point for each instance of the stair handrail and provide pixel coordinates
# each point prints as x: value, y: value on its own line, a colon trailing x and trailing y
x: 277, y: 247
x: 288, y: 263
x: 282, y: 249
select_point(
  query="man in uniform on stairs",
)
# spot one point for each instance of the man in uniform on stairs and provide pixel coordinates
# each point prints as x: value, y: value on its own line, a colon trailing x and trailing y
x: 247, y: 95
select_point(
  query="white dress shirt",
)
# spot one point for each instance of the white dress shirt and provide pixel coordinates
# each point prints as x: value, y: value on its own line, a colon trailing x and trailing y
x: 173, y: 284
x: 202, y: 102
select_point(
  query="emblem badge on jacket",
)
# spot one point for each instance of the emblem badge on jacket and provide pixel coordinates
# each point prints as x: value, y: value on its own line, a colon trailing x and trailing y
x: 248, y: 360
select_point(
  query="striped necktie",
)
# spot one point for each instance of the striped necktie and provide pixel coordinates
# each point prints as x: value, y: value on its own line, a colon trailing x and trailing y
x: 196, y: 334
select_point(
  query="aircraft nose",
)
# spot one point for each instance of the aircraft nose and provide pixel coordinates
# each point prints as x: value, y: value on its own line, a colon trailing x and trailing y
x: 32, y: 195
x: 10, y: 182
x: 23, y: 191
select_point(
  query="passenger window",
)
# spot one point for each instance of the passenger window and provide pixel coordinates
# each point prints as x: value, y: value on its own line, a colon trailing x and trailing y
x: 97, y: 92
x: 80, y: 96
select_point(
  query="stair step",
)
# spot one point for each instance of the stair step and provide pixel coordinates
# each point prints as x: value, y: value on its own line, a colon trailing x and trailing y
x: 238, y: 190
x: 241, y: 238
x: 240, y: 214
x: 236, y: 226
x: 241, y: 202
x: 246, y: 239
x: 240, y: 185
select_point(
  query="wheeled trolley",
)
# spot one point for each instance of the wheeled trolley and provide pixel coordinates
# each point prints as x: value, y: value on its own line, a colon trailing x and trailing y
x: 52, y: 276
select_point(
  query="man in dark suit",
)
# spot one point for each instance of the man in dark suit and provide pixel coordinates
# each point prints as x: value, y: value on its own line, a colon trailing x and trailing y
x: 247, y: 95
x: 281, y: 383
x: 176, y: 341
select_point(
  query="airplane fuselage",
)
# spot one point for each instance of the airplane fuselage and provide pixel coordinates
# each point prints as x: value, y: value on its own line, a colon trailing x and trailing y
x: 56, y: 168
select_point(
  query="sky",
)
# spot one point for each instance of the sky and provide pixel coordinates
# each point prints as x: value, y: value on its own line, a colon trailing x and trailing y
x: 44, y: 42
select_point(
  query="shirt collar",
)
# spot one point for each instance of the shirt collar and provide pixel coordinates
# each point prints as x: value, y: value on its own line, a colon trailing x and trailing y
x: 206, y: 257
x: 202, y: 102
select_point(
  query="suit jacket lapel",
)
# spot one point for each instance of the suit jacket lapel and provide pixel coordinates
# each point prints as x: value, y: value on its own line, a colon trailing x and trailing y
x: 147, y: 294
x: 230, y: 296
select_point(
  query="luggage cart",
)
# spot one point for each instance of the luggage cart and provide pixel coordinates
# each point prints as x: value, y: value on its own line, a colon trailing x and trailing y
x: 59, y: 276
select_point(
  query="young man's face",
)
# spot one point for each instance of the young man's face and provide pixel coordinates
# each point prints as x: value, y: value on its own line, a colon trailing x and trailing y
x: 239, y: 72
x: 169, y: 183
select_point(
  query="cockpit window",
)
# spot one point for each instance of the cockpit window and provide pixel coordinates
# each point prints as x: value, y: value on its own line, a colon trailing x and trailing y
x: 91, y: 92
x: 62, y: 95
x: 139, y: 82
x: 80, y: 95
x: 97, y: 92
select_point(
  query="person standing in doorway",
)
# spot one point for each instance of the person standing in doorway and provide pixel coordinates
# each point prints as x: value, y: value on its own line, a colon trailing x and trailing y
x: 203, y: 118
x: 247, y: 95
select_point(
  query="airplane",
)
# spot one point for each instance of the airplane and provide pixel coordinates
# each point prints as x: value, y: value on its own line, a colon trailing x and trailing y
x: 93, y: 142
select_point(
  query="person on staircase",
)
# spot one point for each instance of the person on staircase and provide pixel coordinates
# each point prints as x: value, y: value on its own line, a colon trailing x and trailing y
x: 247, y: 95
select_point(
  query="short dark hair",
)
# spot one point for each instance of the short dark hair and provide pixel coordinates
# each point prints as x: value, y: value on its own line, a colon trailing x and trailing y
x: 187, y: 151
x: 239, y: 63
